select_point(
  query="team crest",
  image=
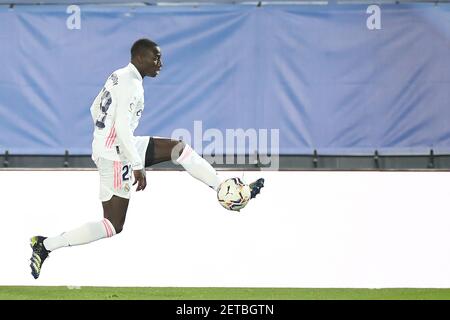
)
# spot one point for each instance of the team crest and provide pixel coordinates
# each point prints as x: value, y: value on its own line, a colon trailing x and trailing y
x: 126, y: 187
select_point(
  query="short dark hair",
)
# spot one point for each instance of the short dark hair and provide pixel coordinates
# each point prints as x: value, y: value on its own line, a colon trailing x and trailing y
x: 140, y: 46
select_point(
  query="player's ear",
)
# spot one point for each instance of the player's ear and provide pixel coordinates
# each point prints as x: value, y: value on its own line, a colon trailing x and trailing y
x: 139, y: 59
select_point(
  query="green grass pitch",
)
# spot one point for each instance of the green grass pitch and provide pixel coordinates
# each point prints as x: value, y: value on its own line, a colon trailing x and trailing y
x: 156, y: 293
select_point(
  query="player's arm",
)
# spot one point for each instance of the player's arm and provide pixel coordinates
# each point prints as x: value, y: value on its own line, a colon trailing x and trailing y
x: 95, y: 107
x: 125, y: 136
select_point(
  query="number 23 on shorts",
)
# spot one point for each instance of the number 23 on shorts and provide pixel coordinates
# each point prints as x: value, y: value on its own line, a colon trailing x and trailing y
x: 126, y: 172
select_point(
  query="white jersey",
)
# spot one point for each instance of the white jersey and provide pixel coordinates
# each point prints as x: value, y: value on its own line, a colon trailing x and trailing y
x: 116, y: 112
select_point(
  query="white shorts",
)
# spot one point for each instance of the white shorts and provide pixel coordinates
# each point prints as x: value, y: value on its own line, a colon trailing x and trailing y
x: 116, y: 177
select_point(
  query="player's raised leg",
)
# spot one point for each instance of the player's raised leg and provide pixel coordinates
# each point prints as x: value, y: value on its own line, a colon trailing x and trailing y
x: 163, y: 149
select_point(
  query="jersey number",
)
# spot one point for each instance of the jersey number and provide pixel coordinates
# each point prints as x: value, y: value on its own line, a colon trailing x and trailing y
x: 126, y: 172
x: 105, y: 102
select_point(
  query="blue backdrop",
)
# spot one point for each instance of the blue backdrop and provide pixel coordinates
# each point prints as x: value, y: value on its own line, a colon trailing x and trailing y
x: 317, y: 73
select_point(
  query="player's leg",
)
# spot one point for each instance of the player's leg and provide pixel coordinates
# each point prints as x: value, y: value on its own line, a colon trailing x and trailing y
x: 163, y: 149
x: 86, y: 233
x: 115, y: 211
x: 114, y: 193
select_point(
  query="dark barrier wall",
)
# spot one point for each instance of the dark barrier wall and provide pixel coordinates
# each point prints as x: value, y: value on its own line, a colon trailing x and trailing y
x: 342, y: 79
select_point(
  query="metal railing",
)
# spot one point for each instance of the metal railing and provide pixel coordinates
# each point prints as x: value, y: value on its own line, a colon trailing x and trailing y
x: 314, y: 161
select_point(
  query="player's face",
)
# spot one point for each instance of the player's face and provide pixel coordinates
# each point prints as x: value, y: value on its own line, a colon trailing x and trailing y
x: 152, y: 62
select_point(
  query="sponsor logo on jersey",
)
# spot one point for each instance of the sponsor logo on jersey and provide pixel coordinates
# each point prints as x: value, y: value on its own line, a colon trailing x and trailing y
x: 114, y: 78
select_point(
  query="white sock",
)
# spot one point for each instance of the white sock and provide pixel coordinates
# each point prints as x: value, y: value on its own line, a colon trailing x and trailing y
x: 87, y: 233
x: 199, y: 168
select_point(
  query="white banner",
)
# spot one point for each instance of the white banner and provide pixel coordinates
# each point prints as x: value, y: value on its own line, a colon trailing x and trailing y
x: 305, y: 229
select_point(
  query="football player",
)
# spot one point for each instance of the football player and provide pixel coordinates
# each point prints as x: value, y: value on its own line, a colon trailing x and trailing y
x: 118, y: 154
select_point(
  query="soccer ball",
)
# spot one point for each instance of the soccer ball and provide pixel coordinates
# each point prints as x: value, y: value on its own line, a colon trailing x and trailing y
x: 233, y: 194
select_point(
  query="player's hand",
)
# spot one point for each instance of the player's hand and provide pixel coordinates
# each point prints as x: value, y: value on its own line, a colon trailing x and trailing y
x: 140, y: 179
